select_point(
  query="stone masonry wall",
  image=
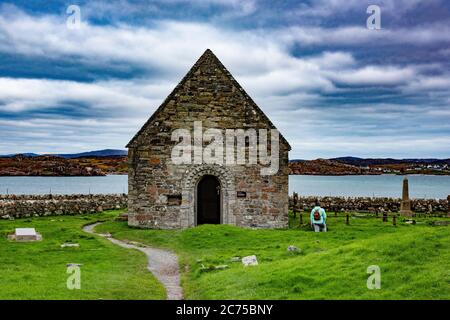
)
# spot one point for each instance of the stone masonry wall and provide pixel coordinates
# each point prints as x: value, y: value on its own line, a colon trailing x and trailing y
x: 23, y: 206
x: 361, y: 204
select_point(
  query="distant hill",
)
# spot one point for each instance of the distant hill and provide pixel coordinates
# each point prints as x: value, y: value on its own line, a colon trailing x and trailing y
x: 112, y: 161
x: 15, y: 154
x: 369, y: 166
x: 387, y: 161
x: 322, y: 167
x: 50, y: 165
x: 96, y: 153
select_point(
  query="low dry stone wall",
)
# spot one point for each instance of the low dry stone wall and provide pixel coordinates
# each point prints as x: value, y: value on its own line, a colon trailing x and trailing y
x: 347, y: 204
x: 22, y: 206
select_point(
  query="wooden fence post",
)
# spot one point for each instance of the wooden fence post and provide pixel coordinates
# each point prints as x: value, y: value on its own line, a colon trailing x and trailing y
x: 448, y: 206
x: 294, y: 204
x: 347, y: 221
x: 301, y: 218
x: 385, y: 217
x: 394, y: 220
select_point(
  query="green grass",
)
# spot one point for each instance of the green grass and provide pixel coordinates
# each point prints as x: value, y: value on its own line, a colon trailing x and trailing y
x: 414, y: 259
x: 37, y: 270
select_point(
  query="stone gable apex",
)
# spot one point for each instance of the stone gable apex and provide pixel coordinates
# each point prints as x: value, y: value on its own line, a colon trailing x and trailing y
x: 207, y: 56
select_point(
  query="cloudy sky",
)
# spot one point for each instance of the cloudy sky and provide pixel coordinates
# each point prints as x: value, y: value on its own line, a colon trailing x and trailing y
x: 330, y: 85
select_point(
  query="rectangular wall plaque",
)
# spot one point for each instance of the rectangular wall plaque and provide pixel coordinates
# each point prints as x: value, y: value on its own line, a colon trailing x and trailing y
x: 174, y: 199
x: 241, y: 194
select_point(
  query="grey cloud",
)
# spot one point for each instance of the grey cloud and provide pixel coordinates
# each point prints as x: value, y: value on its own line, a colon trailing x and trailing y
x: 308, y: 97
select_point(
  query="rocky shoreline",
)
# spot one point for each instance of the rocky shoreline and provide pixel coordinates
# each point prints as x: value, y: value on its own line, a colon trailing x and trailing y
x: 46, y: 165
x: 338, y: 167
x: 54, y: 166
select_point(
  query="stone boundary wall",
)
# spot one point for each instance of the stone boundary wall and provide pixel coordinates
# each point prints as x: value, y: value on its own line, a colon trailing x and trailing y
x: 361, y: 204
x: 23, y: 206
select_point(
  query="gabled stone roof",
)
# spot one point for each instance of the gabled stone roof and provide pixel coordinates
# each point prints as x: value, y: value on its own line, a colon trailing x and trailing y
x: 208, y: 55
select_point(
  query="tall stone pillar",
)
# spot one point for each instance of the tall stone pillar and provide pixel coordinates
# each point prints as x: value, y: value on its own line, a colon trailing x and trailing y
x: 405, y: 206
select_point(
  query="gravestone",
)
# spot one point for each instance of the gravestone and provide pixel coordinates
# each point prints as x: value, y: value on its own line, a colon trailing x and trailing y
x: 65, y: 245
x: 405, y: 206
x: 250, y: 261
x: 442, y: 223
x: 26, y: 234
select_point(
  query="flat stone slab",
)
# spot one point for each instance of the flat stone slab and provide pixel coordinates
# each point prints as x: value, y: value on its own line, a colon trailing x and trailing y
x: 442, y: 223
x: 64, y: 245
x: 292, y: 248
x: 25, y: 234
x: 250, y: 261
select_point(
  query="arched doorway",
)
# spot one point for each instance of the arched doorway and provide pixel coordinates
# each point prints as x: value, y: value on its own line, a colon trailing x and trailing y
x: 191, y: 178
x: 208, y: 200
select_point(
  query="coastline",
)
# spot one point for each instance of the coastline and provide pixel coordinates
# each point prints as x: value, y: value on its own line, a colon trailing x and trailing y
x: 58, y: 166
x: 291, y: 174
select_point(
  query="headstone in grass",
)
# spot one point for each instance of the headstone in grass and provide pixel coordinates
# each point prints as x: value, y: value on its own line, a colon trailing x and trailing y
x: 250, y: 261
x: 64, y: 245
x: 221, y: 267
x: 211, y: 267
x: 26, y: 234
x: 410, y: 221
x: 442, y: 223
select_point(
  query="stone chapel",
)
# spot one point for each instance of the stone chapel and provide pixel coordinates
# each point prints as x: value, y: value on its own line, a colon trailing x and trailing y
x: 166, y: 194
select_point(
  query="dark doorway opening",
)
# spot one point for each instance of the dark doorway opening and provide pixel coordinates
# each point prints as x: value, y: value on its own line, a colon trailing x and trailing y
x: 208, y: 200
